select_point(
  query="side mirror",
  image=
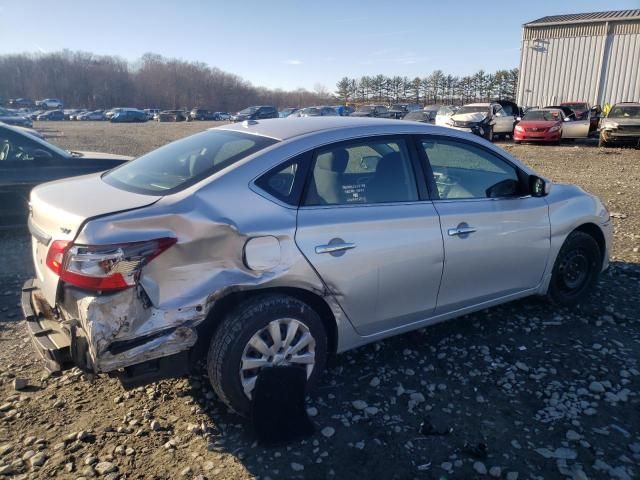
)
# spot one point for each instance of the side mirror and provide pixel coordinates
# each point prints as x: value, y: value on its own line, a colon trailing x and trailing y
x: 41, y: 155
x: 567, y: 119
x: 518, y: 119
x: 538, y: 186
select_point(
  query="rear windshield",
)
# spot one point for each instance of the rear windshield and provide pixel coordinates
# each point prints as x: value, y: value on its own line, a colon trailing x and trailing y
x: 180, y: 164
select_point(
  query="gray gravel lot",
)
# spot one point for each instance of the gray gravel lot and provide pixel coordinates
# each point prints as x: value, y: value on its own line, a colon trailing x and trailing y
x: 550, y: 392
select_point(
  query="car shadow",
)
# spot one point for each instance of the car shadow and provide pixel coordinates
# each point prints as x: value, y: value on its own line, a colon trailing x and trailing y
x: 482, y: 380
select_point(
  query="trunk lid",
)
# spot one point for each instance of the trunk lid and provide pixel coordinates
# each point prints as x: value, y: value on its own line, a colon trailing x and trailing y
x: 59, y: 209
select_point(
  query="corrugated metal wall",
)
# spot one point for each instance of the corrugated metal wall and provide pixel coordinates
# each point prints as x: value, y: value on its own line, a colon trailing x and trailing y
x: 580, y: 62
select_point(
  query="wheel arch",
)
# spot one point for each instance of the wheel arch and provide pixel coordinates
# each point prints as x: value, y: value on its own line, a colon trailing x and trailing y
x: 231, y: 300
x: 596, y: 232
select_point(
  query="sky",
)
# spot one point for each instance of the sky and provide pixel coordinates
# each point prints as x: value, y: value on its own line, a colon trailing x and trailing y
x: 291, y: 43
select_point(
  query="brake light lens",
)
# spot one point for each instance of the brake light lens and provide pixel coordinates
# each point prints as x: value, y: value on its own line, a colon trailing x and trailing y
x: 104, y: 267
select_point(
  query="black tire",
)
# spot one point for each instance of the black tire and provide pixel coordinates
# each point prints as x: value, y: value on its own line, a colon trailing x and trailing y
x: 235, y: 331
x: 517, y: 142
x: 575, y: 272
x: 488, y: 133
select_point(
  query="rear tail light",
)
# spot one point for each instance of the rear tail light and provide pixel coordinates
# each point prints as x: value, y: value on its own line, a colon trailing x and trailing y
x: 103, y: 267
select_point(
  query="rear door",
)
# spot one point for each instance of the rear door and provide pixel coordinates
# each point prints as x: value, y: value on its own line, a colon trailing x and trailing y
x: 370, y: 232
x: 496, y: 237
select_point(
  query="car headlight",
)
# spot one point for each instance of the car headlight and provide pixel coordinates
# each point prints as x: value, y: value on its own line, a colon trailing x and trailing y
x: 519, y: 128
x: 611, y: 125
x: 555, y: 128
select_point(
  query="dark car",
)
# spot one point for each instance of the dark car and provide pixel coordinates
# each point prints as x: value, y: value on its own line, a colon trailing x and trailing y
x: 424, y: 116
x: 172, y: 116
x: 12, y: 118
x: 202, y: 114
x: 372, y: 111
x: 399, y: 110
x: 26, y: 161
x: 22, y: 103
x: 257, y: 112
x: 129, y: 115
x: 51, y: 115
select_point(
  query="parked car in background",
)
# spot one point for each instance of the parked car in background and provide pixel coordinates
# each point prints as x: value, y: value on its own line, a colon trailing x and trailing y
x: 112, y: 111
x: 540, y: 125
x: 75, y: 114
x: 376, y: 111
x: 420, y: 116
x: 258, y: 112
x: 344, y: 110
x: 137, y: 267
x: 51, y: 115
x: 399, y: 110
x: 572, y: 126
x: 22, y: 103
x: 11, y: 118
x: 584, y: 111
x: 284, y: 113
x: 322, y: 111
x: 222, y: 116
x: 49, y: 103
x: 483, y: 119
x: 202, y: 114
x: 96, y: 115
x: 443, y: 114
x: 26, y: 161
x: 151, y: 112
x: 172, y: 116
x: 621, y: 125
x: 129, y: 115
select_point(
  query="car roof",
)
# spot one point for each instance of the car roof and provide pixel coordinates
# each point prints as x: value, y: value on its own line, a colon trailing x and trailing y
x: 628, y: 104
x: 483, y: 104
x: 285, y: 129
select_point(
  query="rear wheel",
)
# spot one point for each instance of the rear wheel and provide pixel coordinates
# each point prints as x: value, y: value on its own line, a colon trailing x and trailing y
x: 576, y: 269
x: 265, y: 331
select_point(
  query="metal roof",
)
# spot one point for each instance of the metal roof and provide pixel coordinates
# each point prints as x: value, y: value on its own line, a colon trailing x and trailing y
x: 593, y: 17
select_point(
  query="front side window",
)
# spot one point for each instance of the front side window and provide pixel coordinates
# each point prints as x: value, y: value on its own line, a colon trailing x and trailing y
x: 369, y: 171
x: 464, y: 171
x: 180, y: 164
x: 15, y: 147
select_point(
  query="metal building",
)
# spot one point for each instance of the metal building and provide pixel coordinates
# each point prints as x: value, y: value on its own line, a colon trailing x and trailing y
x: 592, y: 57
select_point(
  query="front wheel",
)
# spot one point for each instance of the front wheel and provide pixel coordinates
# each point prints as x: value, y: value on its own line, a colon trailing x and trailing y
x: 576, y: 269
x: 601, y: 141
x: 265, y: 331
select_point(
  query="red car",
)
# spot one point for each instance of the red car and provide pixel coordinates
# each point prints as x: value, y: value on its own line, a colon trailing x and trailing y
x: 540, y: 125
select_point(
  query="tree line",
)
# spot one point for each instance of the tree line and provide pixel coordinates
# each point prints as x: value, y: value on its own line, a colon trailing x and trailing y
x: 438, y: 87
x: 82, y: 79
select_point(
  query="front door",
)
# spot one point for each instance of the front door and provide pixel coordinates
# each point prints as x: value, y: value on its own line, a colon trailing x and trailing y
x: 374, y: 242
x: 496, y: 236
x: 574, y: 128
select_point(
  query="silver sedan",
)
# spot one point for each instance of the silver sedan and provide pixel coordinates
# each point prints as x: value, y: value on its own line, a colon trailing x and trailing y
x: 278, y: 243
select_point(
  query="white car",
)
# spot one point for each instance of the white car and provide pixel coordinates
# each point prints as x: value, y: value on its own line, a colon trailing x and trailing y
x: 444, y: 114
x: 50, y: 103
x: 483, y: 119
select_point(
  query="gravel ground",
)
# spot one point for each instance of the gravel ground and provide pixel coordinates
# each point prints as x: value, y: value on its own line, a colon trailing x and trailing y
x: 520, y: 391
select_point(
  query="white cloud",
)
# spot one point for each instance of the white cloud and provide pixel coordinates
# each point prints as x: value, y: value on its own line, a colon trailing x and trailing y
x: 292, y: 61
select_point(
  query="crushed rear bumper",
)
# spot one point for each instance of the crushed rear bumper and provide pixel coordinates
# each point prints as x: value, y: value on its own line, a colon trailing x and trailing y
x: 63, y: 343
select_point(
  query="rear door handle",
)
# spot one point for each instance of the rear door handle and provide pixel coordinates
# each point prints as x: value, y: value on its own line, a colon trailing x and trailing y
x: 460, y: 231
x: 334, y: 247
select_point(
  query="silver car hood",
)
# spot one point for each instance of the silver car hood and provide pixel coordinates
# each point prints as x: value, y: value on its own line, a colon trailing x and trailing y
x: 60, y: 208
x: 621, y: 121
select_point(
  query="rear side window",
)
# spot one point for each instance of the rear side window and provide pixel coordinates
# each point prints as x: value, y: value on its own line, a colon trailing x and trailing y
x: 180, y: 164
x: 285, y: 182
x: 370, y: 171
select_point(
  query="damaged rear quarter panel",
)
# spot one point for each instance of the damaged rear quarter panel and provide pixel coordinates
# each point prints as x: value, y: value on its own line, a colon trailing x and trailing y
x: 212, y: 224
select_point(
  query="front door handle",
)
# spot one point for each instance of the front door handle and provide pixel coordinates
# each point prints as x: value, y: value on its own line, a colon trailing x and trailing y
x: 461, y: 231
x: 333, y: 248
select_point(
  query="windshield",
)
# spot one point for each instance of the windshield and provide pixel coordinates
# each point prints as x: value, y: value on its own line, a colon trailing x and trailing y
x: 180, y: 164
x: 549, y: 115
x: 366, y: 109
x: 398, y: 106
x: 248, y: 111
x: 311, y: 111
x: 473, y: 109
x: 630, y: 111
